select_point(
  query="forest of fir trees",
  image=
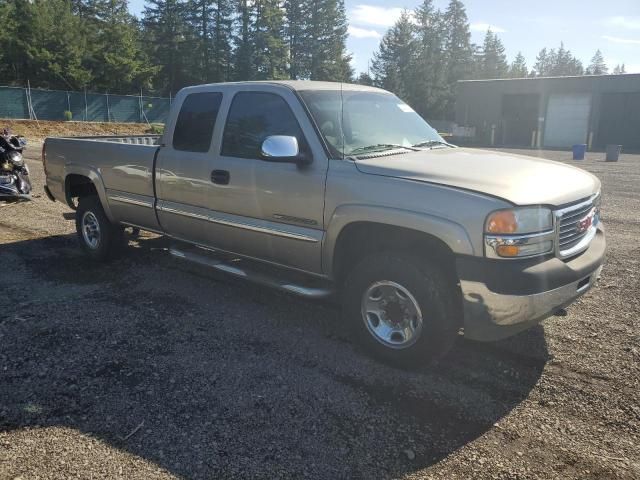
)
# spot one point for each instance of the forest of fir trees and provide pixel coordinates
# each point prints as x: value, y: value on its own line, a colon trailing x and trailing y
x: 427, y: 51
x: 99, y: 46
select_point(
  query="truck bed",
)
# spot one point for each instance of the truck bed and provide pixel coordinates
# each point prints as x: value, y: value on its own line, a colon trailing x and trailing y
x: 121, y: 168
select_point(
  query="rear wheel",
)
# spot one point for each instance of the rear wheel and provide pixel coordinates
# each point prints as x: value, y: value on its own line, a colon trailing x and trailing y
x: 98, y: 237
x: 401, y: 308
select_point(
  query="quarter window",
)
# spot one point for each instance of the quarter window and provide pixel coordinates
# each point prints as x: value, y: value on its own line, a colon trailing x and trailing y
x: 252, y: 118
x: 197, y: 117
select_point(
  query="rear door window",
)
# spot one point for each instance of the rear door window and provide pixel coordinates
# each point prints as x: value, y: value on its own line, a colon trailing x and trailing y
x: 253, y: 117
x: 196, y: 120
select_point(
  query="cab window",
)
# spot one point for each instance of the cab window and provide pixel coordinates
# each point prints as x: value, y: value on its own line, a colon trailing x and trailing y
x: 252, y: 118
x: 196, y: 120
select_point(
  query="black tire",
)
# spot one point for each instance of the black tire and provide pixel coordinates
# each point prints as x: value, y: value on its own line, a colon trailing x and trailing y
x: 433, y: 291
x: 109, y: 238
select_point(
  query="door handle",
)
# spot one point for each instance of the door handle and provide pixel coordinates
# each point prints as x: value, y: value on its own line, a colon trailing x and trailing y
x: 221, y: 177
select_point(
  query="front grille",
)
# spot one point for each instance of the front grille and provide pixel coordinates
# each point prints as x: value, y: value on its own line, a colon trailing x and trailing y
x: 576, y: 226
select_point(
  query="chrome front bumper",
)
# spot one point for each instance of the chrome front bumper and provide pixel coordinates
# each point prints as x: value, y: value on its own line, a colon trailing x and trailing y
x: 498, y: 316
x: 502, y: 299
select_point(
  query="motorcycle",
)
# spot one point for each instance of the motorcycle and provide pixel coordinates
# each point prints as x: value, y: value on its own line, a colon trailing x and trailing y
x: 14, y: 173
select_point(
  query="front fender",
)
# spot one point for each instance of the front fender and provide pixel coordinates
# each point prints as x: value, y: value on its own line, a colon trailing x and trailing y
x: 94, y: 175
x: 451, y: 233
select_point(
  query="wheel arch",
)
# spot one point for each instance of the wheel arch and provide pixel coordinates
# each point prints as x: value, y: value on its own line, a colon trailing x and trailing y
x: 356, y: 231
x: 79, y: 181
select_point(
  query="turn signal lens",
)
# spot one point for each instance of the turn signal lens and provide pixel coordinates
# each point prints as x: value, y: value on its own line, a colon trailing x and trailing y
x: 508, y: 250
x: 529, y: 248
x: 503, y: 221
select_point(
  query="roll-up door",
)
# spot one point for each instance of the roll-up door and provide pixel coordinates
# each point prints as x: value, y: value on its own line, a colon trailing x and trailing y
x: 567, y: 121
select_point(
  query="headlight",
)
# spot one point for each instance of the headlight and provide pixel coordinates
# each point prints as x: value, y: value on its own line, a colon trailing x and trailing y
x: 519, y: 232
x: 15, y: 158
x: 519, y: 220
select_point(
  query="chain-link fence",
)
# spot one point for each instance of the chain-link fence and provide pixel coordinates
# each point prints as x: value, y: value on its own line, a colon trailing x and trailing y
x: 36, y: 104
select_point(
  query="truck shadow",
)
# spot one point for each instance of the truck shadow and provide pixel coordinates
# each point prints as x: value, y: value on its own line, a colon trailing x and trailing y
x: 225, y: 379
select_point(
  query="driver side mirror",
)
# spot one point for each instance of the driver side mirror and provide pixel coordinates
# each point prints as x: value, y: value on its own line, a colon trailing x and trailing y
x: 283, y: 149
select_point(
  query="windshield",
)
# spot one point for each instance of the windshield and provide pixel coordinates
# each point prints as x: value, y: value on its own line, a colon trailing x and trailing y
x: 361, y: 122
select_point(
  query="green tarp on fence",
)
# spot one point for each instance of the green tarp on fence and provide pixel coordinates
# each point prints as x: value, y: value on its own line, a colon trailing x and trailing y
x: 13, y: 103
x: 88, y: 107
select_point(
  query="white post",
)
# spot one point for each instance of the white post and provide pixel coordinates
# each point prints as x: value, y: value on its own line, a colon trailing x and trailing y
x: 32, y: 112
x: 86, y: 107
x: 29, y: 106
x: 108, y: 110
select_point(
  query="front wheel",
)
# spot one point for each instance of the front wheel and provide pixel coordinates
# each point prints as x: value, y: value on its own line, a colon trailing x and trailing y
x: 401, y: 308
x: 98, y: 237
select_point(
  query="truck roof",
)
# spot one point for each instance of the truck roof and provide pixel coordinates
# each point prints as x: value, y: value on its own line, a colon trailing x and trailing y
x: 300, y: 85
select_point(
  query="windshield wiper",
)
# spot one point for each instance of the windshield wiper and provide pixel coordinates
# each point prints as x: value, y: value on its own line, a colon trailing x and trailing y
x: 379, y: 147
x: 431, y: 143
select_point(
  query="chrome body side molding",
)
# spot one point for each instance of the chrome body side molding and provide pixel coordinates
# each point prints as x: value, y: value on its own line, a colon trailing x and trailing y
x: 253, y: 225
x: 129, y: 200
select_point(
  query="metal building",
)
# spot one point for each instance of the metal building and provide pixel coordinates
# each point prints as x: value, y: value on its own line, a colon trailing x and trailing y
x: 555, y: 112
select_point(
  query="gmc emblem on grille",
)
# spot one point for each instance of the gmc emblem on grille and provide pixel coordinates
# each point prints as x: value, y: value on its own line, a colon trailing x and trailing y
x: 583, y: 224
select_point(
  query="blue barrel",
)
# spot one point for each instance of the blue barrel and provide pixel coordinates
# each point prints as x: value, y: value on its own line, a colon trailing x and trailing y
x: 579, y: 151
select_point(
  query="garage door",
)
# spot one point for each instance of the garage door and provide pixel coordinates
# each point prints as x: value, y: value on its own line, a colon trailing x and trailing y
x: 567, y: 121
x: 620, y: 120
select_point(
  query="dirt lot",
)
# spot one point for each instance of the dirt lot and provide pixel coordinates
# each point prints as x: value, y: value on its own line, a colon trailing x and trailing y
x: 38, y: 131
x: 146, y: 368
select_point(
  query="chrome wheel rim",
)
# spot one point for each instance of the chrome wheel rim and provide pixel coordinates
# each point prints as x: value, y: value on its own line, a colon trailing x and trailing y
x: 91, y: 230
x: 392, y: 314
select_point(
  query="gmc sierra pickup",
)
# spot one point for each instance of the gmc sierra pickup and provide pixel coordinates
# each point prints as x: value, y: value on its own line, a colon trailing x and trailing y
x: 321, y: 188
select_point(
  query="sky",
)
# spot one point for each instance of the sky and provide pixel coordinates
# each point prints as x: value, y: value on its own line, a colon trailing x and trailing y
x: 613, y: 26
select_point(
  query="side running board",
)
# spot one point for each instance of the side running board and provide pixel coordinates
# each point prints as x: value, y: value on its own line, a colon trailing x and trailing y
x: 239, y: 270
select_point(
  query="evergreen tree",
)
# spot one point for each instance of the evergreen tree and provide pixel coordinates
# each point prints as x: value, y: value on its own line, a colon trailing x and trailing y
x: 598, y: 65
x: 244, y: 43
x: 296, y: 29
x: 518, y: 68
x: 82, y: 8
x: 364, y: 79
x: 114, y: 55
x: 459, y: 52
x: 8, y: 75
x: 619, y: 70
x: 542, y: 67
x: 270, y: 60
x: 491, y: 61
x: 167, y: 36
x: 324, y: 43
x: 560, y: 63
x: 563, y: 63
x: 45, y: 45
x: 199, y: 14
x: 222, y: 40
x: 392, y: 63
x: 212, y: 25
x: 428, y: 94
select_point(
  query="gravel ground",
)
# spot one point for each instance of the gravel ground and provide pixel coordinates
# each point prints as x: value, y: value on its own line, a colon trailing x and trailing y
x: 148, y: 368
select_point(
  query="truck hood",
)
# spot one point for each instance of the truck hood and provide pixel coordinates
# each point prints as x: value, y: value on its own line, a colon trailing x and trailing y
x: 519, y: 179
